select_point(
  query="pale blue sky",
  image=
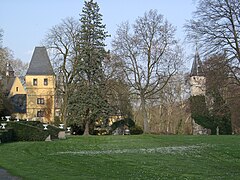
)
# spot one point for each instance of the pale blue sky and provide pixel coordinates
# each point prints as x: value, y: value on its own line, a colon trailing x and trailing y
x: 26, y: 22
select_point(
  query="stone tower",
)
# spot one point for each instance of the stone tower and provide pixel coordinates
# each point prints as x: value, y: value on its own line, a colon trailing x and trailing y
x: 198, y: 87
x: 197, y: 77
x: 40, y: 87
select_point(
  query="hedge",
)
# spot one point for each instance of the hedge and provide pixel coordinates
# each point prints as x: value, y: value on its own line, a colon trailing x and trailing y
x: 52, y: 130
x: 6, y: 135
x: 31, y: 131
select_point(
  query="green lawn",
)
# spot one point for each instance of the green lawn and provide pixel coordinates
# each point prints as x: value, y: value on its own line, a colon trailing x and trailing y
x: 125, y: 157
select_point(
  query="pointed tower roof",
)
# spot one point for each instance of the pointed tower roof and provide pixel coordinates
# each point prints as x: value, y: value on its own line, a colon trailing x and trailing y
x: 40, y: 63
x: 197, y: 67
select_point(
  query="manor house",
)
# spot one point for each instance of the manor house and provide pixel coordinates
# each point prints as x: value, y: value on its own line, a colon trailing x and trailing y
x: 35, y: 100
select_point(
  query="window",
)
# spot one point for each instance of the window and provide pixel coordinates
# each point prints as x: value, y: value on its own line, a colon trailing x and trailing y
x: 40, y: 100
x: 35, y: 82
x: 45, y: 82
x: 16, y: 89
x: 40, y: 113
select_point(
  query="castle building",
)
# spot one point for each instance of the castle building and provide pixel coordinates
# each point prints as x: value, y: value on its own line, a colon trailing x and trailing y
x: 40, y: 87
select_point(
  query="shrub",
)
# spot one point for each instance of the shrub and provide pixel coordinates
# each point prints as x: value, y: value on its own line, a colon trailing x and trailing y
x: 136, y: 130
x: 52, y: 130
x: 6, y: 135
x: 123, y: 122
x: 100, y: 131
x: 77, y: 129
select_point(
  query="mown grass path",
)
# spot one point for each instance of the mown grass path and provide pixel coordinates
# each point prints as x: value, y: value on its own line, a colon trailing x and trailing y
x: 125, y: 157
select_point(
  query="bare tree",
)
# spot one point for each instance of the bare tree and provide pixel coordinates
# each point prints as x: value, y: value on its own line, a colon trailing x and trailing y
x: 19, y: 67
x: 5, y: 56
x: 215, y: 27
x: 1, y: 35
x: 168, y: 112
x: 150, y: 55
x: 61, y: 41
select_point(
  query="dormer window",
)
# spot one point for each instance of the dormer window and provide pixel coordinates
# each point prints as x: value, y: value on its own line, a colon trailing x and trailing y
x: 16, y: 89
x: 35, y: 82
x: 45, y: 82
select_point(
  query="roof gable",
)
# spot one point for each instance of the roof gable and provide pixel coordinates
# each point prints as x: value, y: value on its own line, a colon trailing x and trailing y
x: 40, y: 63
x: 17, y: 83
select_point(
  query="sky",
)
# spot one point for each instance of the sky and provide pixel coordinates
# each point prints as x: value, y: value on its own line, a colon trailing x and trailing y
x: 26, y: 22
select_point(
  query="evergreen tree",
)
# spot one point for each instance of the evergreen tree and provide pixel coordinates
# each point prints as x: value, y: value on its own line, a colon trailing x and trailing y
x: 200, y: 112
x: 89, y: 103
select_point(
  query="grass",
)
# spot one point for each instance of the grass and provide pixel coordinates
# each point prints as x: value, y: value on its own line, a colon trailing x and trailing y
x: 125, y: 157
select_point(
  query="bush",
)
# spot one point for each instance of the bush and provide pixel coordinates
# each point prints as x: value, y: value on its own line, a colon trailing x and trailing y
x: 77, y: 129
x: 100, y: 131
x: 136, y: 130
x: 6, y: 135
x: 52, y: 130
x: 123, y: 122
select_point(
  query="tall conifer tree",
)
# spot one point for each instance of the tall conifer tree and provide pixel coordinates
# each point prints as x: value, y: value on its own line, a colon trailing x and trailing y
x: 90, y: 102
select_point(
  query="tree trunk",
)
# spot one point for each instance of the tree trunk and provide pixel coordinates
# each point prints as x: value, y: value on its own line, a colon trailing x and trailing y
x: 145, y: 116
x: 86, y: 130
x: 64, y: 103
x: 64, y: 110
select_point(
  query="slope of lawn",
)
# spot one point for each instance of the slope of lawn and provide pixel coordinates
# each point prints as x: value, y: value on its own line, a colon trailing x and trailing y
x: 125, y: 157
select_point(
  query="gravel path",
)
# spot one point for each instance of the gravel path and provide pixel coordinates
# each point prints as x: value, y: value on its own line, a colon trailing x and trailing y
x: 4, y: 175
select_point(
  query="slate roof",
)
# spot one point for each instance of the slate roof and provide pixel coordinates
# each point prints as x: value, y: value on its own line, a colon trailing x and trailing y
x: 40, y: 63
x: 197, y: 67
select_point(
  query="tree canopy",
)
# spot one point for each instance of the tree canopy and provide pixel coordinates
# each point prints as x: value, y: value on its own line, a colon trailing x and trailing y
x: 62, y: 43
x: 149, y: 56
